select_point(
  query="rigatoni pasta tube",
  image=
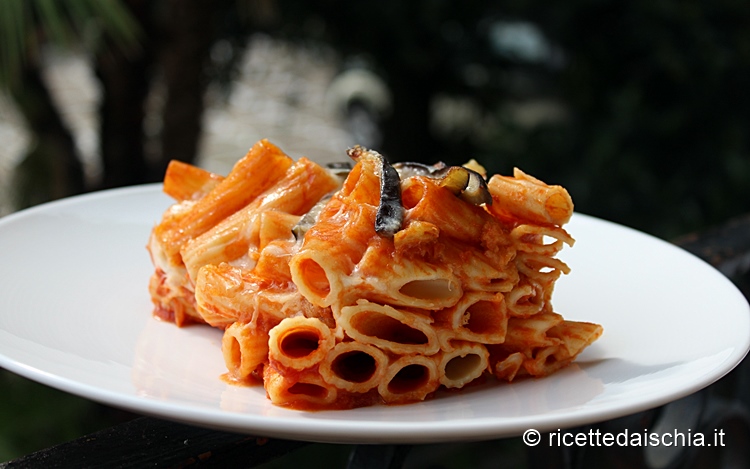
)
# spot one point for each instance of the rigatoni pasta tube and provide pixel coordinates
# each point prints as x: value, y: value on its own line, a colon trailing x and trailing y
x: 403, y: 281
x: 362, y: 186
x: 529, y: 199
x: 295, y: 193
x: 306, y: 390
x: 526, y: 299
x: 183, y: 181
x: 275, y: 225
x: 299, y: 342
x: 331, y: 250
x: 531, y: 332
x: 479, y: 317
x: 408, y: 379
x: 476, y: 270
x: 263, y: 165
x: 543, y: 269
x: 245, y: 347
x: 462, y: 365
x: 507, y: 365
x: 546, y: 360
x: 531, y: 238
x: 575, y: 335
x: 389, y: 328
x: 354, y: 366
x: 426, y: 201
x: 225, y: 294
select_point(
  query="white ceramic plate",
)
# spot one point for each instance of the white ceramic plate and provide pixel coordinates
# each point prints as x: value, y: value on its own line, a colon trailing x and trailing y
x: 76, y: 315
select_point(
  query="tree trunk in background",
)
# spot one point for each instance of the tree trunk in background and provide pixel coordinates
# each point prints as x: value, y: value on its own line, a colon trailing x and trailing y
x: 175, y: 47
x: 187, y: 26
x: 52, y: 167
x: 125, y: 80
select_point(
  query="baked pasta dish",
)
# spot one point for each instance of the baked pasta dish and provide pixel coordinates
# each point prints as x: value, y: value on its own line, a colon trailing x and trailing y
x: 341, y: 287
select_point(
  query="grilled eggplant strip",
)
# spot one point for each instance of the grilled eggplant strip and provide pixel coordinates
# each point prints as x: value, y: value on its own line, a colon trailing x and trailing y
x: 462, y: 181
x: 476, y: 191
x: 455, y: 179
x: 465, y: 183
x: 390, y: 214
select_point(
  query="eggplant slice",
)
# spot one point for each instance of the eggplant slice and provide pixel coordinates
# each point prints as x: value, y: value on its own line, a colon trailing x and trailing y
x: 390, y: 215
x: 465, y: 183
x: 462, y: 181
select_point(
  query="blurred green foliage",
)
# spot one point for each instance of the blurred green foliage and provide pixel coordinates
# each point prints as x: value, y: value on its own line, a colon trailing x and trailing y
x: 26, y: 24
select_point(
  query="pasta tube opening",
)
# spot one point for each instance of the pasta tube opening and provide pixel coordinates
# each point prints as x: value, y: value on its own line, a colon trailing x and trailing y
x: 244, y: 348
x: 311, y: 274
x: 405, y: 281
x: 526, y: 299
x: 478, y: 317
x: 315, y: 277
x: 438, y: 289
x: 354, y: 366
x: 546, y: 360
x: 388, y: 328
x: 543, y: 269
x: 233, y: 354
x: 312, y: 390
x: 410, y: 378
x: 506, y: 364
x: 299, y: 342
x: 460, y: 367
x: 307, y: 390
x: 483, y: 317
x: 463, y: 365
x: 411, y: 195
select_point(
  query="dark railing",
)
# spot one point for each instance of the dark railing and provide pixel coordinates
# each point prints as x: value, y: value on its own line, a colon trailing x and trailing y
x: 725, y: 405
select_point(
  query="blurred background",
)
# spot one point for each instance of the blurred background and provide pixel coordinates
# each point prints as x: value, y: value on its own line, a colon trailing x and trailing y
x: 640, y: 108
